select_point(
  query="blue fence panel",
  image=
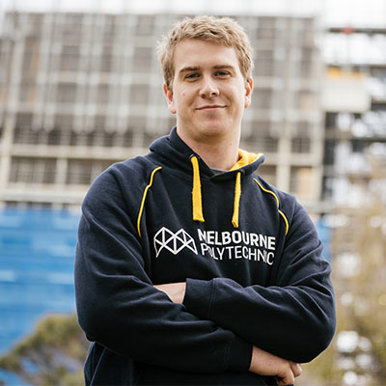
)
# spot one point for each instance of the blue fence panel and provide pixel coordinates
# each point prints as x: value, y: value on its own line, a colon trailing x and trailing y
x: 36, y: 268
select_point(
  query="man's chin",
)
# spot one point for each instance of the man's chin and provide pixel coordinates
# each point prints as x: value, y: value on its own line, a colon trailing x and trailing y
x: 214, y: 128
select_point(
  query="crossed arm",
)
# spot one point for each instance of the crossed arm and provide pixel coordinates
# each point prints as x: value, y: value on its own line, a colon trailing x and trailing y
x: 114, y: 295
x: 262, y: 362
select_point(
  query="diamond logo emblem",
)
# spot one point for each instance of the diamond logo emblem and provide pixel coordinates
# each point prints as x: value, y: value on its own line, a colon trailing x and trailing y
x: 173, y: 242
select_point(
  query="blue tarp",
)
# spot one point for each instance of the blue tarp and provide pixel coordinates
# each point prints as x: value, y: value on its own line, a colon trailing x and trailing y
x: 36, y: 268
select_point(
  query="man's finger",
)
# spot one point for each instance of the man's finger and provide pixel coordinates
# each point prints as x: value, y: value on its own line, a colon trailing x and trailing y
x: 286, y: 379
x: 296, y: 369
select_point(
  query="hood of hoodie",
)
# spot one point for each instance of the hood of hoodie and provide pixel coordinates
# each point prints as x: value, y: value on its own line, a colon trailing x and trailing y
x: 174, y: 153
x: 177, y: 154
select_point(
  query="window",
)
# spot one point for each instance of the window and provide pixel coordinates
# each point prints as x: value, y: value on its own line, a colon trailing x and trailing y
x: 301, y: 145
x: 72, y: 28
x: 103, y: 94
x: 61, y: 133
x: 23, y: 133
x: 260, y: 139
x: 63, y: 121
x: 136, y: 124
x: 54, y: 137
x: 268, y: 172
x: 83, y: 172
x: 70, y: 58
x: 302, y: 182
x: 329, y: 152
x: 66, y: 92
x: 260, y: 142
x: 110, y: 22
x: 31, y: 58
x: 33, y: 170
x: 36, y: 22
x: 79, y: 138
x: 331, y: 120
x: 79, y: 172
x: 107, y: 58
x: 28, y: 91
x: 328, y: 188
x: 99, y: 136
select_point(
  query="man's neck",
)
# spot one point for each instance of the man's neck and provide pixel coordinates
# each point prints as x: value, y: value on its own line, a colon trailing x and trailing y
x: 217, y: 153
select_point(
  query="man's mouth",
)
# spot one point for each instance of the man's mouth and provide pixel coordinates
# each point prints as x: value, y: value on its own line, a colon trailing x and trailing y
x: 210, y: 107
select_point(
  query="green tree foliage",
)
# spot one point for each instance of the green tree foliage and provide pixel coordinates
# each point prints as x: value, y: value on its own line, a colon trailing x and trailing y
x: 53, y: 355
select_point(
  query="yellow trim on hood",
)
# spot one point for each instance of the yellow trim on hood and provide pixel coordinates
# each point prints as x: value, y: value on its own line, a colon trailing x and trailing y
x: 277, y: 203
x: 245, y: 158
x: 144, y: 199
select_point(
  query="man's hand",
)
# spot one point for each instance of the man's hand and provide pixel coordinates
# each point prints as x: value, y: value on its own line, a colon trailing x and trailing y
x: 266, y: 364
x: 262, y: 362
x: 175, y: 291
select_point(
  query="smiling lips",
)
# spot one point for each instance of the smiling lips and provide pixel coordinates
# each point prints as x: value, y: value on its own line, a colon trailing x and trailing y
x: 210, y: 107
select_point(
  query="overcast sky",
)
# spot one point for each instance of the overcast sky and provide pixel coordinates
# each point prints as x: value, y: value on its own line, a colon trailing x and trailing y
x: 331, y: 12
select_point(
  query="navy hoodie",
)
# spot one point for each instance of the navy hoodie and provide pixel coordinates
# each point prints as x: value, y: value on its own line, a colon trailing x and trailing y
x: 249, y: 254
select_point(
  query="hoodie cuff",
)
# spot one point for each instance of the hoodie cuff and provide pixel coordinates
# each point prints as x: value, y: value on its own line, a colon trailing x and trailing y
x: 240, y: 355
x: 198, y: 295
x: 197, y: 300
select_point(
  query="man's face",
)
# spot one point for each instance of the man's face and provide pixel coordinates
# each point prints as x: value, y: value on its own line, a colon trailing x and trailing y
x: 209, y: 93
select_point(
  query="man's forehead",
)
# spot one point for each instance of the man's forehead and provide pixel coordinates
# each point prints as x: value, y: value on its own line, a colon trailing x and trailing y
x: 196, y: 54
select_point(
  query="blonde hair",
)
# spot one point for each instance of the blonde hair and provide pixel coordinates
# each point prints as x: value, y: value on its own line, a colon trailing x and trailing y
x: 224, y: 31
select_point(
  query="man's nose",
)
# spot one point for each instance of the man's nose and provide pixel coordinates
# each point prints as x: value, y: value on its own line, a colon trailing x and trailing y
x: 209, y: 88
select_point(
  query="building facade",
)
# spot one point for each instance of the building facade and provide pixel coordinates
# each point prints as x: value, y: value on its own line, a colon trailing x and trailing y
x: 81, y: 91
x: 354, y: 100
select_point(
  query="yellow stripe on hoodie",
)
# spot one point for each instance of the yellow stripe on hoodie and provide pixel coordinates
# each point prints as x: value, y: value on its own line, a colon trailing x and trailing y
x: 144, y: 199
x: 277, y: 203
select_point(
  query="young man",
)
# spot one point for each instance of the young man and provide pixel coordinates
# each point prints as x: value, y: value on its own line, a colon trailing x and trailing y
x: 190, y: 268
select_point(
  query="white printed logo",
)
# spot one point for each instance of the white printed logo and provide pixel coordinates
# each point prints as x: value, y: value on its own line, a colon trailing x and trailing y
x: 173, y: 242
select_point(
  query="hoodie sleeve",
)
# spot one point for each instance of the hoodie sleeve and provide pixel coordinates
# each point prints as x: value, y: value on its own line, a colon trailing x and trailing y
x: 295, y: 318
x: 119, y: 308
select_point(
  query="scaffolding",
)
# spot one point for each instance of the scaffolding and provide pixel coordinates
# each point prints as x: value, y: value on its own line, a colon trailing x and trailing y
x: 79, y: 91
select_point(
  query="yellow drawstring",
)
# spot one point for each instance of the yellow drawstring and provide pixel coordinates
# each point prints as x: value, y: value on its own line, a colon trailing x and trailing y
x: 197, y: 197
x: 196, y: 192
x: 235, y: 217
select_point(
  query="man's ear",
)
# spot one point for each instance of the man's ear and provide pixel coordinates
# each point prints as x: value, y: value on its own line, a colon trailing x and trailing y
x: 248, y: 92
x: 169, y: 98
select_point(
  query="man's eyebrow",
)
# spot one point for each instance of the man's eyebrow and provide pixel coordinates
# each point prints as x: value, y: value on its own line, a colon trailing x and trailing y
x: 197, y: 68
x: 222, y: 66
x: 189, y: 68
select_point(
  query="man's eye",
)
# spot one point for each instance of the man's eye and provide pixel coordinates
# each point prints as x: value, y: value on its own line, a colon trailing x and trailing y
x: 222, y: 73
x: 192, y: 76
